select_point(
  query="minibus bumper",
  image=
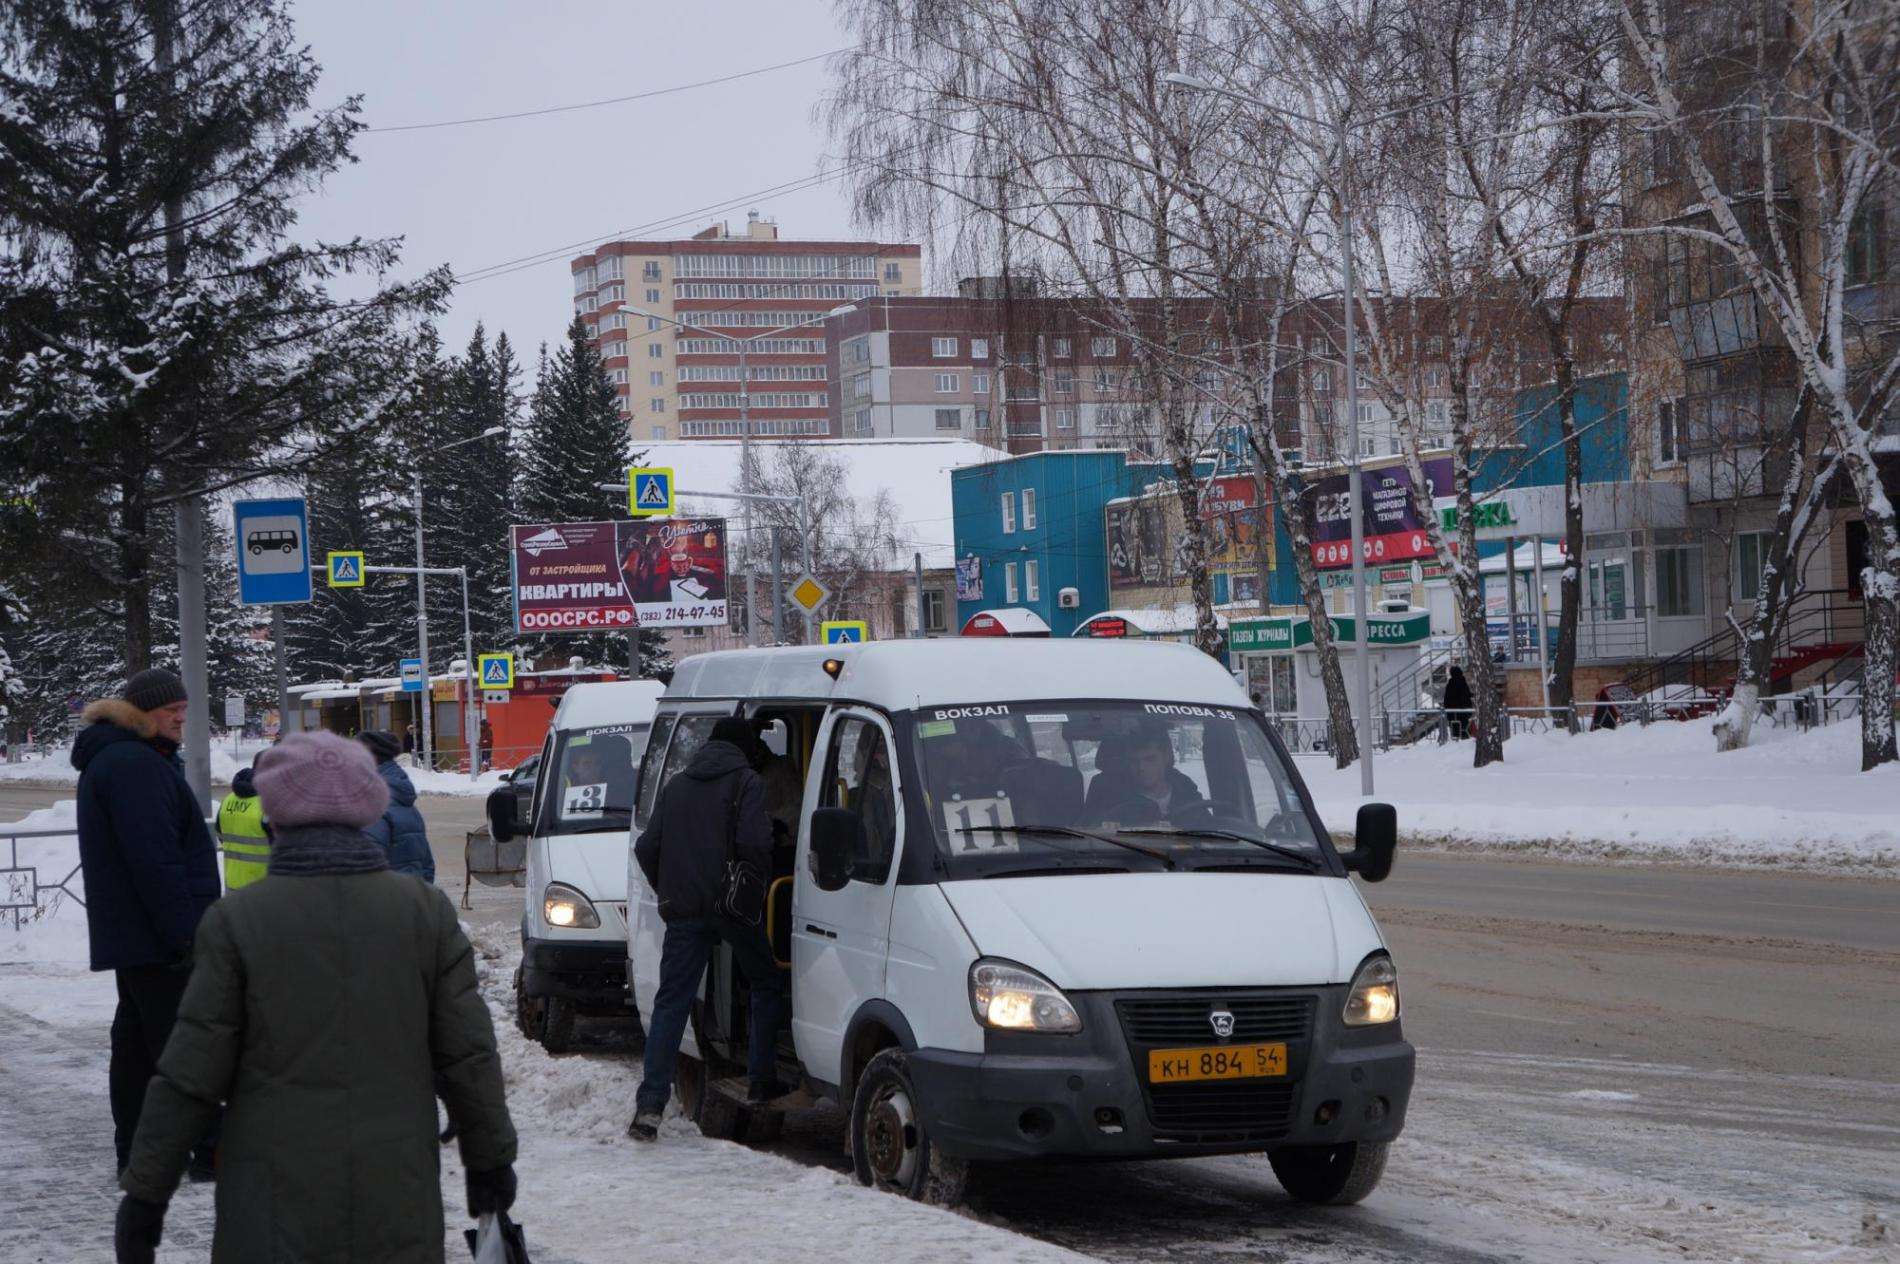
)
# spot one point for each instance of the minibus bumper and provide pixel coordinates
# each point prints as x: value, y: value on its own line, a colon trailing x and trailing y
x: 590, y: 973
x: 1088, y: 1096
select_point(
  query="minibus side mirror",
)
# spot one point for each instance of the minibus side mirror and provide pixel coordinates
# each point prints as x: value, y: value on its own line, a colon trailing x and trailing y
x: 834, y: 840
x: 1375, y: 836
x: 503, y: 823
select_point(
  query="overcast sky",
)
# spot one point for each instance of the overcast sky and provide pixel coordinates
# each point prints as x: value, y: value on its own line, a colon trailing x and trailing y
x: 485, y: 193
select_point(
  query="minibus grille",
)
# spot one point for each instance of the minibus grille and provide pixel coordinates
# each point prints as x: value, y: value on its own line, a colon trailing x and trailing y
x: 1183, y: 1018
x: 1219, y: 1111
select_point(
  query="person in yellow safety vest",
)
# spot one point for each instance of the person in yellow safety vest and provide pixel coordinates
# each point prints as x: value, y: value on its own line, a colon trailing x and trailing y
x: 243, y: 836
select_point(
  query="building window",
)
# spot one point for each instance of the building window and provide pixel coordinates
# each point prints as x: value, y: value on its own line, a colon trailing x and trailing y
x: 612, y: 349
x: 861, y: 386
x: 936, y: 611
x: 653, y: 296
x: 1099, y: 347
x: 1009, y: 513
x: 1059, y: 348
x: 1104, y: 381
x: 1322, y: 381
x: 1751, y: 555
x: 982, y: 419
x: 1864, y: 240
x: 1010, y: 593
x: 1032, y: 580
x: 943, y: 348
x: 617, y: 376
x: 650, y: 271
x: 857, y: 351
x: 654, y: 351
x: 659, y: 432
x: 861, y: 421
x: 1668, y: 438
x: 893, y: 272
x: 1029, y: 509
x: 1065, y: 382
x: 653, y: 322
x: 1065, y: 419
x: 979, y: 348
x: 1679, y: 581
x: 693, y: 633
x: 949, y: 383
x: 949, y: 419
x: 656, y: 378
x: 656, y: 405
x: 980, y: 383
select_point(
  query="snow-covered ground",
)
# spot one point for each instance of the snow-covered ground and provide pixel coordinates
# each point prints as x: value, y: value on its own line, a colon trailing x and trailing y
x: 1506, y: 1157
x: 1655, y: 793
x: 55, y: 768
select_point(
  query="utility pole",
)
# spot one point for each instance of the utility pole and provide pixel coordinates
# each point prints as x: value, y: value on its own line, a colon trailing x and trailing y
x: 778, y: 585
x: 425, y: 749
x: 804, y: 539
x: 190, y: 511
x: 917, y: 564
x: 1362, y: 652
x: 745, y: 484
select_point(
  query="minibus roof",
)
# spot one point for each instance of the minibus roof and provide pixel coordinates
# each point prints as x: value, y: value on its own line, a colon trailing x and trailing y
x: 592, y: 704
x: 952, y: 671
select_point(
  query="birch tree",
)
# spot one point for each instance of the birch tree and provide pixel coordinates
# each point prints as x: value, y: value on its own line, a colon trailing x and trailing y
x: 1805, y: 98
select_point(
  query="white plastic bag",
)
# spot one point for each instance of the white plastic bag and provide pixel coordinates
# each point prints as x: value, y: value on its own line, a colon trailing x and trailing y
x: 490, y: 1246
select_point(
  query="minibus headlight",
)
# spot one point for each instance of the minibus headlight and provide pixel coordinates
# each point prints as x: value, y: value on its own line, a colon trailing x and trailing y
x: 565, y: 907
x: 1374, y: 998
x: 1010, y: 997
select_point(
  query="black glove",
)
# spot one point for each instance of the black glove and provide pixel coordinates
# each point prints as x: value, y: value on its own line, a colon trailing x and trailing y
x: 136, y: 1232
x: 491, y: 1191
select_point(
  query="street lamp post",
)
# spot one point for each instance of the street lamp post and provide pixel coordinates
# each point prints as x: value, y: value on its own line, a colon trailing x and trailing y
x: 744, y: 345
x: 1362, y: 650
x: 427, y: 747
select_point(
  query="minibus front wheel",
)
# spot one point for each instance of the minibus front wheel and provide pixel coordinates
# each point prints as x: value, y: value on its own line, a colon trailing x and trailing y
x: 1330, y: 1175
x: 890, y: 1148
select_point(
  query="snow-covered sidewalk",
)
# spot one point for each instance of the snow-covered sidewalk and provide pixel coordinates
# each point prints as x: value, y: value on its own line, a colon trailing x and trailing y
x: 1655, y: 793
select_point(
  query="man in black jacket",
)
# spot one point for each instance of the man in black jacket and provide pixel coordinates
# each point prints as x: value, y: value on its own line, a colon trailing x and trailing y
x: 151, y: 872
x: 715, y: 802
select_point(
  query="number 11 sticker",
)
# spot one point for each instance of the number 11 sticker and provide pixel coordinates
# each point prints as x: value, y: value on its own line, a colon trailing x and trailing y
x: 979, y: 825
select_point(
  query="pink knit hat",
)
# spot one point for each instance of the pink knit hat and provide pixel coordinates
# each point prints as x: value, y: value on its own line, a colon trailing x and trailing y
x: 319, y: 779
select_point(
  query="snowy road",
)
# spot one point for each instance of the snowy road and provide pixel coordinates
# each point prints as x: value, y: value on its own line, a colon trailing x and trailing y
x: 1617, y: 1064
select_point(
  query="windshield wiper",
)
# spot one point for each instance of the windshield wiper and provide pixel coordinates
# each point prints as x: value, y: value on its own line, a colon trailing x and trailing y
x: 1066, y: 831
x: 1311, y: 862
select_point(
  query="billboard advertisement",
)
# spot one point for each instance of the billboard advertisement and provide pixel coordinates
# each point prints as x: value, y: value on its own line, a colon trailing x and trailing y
x: 1394, y: 530
x: 1145, y: 541
x: 1140, y: 553
x: 616, y: 576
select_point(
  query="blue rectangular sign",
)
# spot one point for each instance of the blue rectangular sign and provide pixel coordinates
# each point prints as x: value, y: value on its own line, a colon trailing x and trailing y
x: 273, y: 551
x: 411, y: 675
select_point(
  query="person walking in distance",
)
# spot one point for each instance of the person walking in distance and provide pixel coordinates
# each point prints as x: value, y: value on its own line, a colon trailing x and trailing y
x: 1457, y: 703
x: 243, y: 834
x: 151, y: 871
x: 400, y: 831
x: 713, y: 808
x: 329, y: 1007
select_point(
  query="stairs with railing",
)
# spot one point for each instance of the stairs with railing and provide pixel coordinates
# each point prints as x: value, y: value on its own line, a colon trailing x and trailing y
x: 1822, y: 628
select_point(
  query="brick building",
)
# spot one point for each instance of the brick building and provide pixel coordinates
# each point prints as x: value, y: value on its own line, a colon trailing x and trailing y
x: 668, y: 316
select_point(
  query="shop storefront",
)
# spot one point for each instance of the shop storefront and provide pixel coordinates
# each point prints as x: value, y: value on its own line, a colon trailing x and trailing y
x: 1275, y: 656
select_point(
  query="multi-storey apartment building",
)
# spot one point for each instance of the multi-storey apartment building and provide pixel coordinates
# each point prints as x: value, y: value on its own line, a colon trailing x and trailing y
x: 670, y: 318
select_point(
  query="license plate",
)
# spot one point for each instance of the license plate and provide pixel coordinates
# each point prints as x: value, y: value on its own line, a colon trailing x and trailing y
x: 1216, y: 1062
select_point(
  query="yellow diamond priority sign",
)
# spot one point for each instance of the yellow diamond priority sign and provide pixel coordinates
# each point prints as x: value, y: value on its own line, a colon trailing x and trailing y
x: 810, y: 594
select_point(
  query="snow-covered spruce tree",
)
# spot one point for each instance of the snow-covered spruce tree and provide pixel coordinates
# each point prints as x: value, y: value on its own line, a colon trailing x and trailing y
x: 161, y: 335
x: 574, y: 442
x: 13, y: 616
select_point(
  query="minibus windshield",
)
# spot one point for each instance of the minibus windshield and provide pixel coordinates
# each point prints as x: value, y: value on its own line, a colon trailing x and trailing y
x: 1013, y: 787
x: 593, y: 781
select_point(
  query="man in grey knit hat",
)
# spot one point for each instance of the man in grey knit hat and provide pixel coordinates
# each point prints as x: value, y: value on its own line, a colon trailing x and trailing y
x: 151, y: 872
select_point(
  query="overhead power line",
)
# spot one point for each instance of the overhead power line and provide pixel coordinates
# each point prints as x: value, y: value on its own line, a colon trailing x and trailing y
x: 589, y: 105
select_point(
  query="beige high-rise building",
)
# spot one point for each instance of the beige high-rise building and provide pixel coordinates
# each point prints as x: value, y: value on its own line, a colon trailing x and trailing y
x: 672, y: 318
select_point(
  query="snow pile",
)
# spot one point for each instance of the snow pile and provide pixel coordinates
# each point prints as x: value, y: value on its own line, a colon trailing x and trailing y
x: 55, y: 767
x: 56, y: 930
x: 1660, y: 792
x: 589, y: 1193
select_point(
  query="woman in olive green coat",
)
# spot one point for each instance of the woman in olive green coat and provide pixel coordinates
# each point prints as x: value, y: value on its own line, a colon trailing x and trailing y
x: 329, y: 1004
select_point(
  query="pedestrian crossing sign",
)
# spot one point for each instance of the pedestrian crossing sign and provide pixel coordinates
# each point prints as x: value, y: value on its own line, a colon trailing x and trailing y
x: 497, y: 670
x: 650, y: 492
x: 844, y: 631
x: 346, y: 570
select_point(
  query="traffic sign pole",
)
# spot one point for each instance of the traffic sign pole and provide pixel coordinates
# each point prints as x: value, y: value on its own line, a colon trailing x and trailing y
x: 191, y: 648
